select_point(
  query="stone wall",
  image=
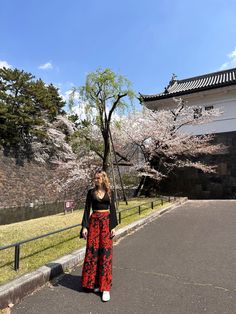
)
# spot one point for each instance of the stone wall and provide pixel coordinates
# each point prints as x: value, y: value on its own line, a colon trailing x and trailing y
x: 29, y: 190
x: 25, y: 184
x: 197, y: 185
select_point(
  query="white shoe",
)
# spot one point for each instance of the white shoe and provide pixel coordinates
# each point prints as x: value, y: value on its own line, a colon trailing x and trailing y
x: 106, y: 296
x: 96, y: 290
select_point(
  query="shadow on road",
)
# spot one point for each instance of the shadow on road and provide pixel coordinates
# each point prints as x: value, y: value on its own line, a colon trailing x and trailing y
x: 72, y: 282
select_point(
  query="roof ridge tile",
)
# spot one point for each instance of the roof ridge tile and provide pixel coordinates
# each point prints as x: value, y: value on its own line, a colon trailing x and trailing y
x: 197, y: 83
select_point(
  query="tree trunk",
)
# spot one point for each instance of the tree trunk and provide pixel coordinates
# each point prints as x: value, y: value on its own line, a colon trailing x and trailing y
x: 105, y: 165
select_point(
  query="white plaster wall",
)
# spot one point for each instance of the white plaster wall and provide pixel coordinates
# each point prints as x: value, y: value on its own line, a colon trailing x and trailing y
x: 222, y: 98
x: 226, y: 122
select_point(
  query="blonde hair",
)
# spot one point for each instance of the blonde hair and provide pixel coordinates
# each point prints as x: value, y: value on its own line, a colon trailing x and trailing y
x: 105, y: 182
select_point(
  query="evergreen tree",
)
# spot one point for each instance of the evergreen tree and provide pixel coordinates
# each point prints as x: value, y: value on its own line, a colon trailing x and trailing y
x: 25, y: 104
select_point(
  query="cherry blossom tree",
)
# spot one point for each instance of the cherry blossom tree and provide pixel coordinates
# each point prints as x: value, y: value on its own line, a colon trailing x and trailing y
x: 74, y: 170
x: 162, y: 142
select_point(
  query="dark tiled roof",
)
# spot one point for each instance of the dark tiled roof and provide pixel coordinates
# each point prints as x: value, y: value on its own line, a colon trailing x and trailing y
x: 195, y: 84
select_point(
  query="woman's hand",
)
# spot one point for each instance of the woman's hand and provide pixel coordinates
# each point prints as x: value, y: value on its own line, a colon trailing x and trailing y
x: 113, y: 233
x: 85, y: 233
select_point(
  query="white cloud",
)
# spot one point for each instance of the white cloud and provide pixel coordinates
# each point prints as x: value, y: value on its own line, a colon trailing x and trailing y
x: 232, y: 54
x: 5, y: 64
x: 46, y: 66
x: 231, y: 63
x: 67, y: 94
x: 58, y: 85
x: 79, y: 107
x: 80, y: 110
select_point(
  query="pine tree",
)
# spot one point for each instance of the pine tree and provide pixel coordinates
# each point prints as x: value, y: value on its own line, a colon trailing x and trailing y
x: 25, y: 103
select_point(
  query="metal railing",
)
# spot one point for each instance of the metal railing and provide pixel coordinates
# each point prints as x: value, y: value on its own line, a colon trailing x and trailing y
x: 160, y: 201
x: 17, y: 245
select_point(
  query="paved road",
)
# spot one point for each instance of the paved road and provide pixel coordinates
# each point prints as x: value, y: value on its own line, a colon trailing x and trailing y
x: 183, y: 262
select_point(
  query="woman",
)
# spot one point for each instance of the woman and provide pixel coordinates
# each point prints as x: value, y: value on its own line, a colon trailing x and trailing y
x: 99, y: 230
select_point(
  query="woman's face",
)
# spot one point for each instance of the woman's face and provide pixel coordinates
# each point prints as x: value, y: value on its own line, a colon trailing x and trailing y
x: 98, y: 179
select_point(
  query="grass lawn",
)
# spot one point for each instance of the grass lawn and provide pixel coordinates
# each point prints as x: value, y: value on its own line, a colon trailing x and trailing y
x: 39, y: 252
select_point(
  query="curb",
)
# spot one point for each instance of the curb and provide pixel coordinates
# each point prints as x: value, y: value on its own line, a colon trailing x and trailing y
x: 14, y: 291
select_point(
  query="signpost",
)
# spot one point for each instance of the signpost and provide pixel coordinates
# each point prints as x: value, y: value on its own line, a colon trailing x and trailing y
x: 69, y: 205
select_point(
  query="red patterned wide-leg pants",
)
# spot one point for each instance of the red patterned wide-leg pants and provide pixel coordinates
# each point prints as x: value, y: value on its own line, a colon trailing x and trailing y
x: 97, y: 267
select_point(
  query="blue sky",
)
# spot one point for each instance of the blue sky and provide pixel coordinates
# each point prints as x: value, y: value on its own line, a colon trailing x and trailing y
x: 61, y: 41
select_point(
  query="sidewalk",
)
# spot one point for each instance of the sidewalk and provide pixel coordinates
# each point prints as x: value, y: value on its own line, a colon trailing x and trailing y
x: 13, y: 292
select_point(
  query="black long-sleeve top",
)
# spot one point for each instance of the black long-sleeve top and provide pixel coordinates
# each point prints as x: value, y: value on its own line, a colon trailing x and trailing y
x: 98, y: 204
